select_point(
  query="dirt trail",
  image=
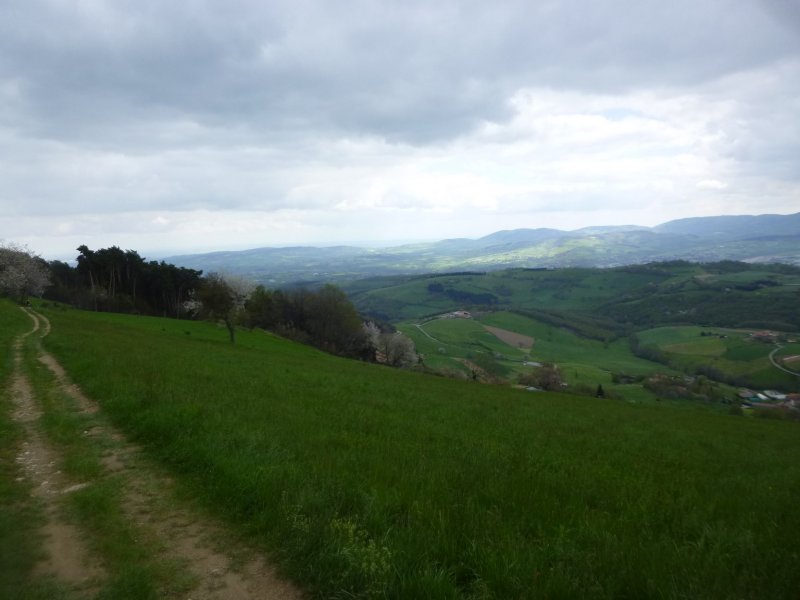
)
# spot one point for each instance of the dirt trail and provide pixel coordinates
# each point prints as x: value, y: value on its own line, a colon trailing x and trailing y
x: 67, y: 557
x: 220, y: 566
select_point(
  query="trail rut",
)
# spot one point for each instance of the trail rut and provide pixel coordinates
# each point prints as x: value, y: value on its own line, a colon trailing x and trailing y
x: 220, y: 566
x: 66, y: 555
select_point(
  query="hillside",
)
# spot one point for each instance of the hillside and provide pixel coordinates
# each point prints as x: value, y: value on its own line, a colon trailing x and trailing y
x: 363, y: 481
x: 758, y: 239
x: 726, y: 294
x: 589, y: 321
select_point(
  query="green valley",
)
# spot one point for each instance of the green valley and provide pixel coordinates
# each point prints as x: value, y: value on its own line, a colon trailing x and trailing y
x: 598, y: 325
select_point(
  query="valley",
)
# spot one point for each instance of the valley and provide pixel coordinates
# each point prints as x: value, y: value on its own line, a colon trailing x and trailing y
x: 611, y: 327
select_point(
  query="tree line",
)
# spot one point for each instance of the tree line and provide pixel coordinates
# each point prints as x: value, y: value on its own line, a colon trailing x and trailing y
x: 324, y: 318
x: 116, y: 280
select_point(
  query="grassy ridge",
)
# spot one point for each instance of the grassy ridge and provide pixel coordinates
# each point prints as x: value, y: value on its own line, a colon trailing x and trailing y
x: 643, y: 296
x: 367, y: 481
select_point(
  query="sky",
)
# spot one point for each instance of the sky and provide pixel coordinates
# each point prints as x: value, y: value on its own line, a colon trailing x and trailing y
x: 176, y: 127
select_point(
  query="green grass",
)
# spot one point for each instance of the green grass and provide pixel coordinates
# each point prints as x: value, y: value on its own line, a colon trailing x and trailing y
x: 584, y: 363
x: 96, y: 508
x: 560, y: 346
x: 792, y: 349
x: 736, y: 354
x: 133, y: 570
x: 402, y: 298
x: 369, y: 482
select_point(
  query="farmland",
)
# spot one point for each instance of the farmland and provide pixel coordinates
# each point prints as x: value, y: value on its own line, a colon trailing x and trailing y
x: 601, y: 326
x: 642, y: 296
x: 371, y: 482
x: 734, y: 353
x: 446, y: 343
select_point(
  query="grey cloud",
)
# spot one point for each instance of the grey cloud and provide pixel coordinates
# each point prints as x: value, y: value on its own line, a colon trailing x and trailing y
x: 411, y: 71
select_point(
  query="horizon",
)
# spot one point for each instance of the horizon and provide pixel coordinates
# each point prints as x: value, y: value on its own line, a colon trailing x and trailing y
x: 364, y: 244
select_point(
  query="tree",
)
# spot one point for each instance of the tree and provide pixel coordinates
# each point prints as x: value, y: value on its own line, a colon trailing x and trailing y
x: 546, y: 377
x: 398, y: 349
x: 221, y: 298
x: 332, y: 321
x: 262, y: 308
x: 117, y: 280
x: 22, y: 273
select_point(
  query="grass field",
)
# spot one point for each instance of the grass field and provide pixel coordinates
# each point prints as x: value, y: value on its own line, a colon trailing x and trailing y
x: 371, y: 482
x: 401, y: 298
x: 719, y: 294
x: 731, y: 351
x: 583, y: 362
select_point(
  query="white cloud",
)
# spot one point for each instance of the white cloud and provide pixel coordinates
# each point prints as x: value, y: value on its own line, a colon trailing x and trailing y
x: 711, y: 184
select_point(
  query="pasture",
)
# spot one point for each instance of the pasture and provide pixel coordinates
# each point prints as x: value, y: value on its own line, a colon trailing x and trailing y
x: 363, y: 481
x: 732, y: 352
x: 584, y: 362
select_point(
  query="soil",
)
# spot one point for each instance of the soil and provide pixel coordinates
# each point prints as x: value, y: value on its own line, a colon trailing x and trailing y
x: 220, y: 566
x: 517, y: 340
x: 66, y: 554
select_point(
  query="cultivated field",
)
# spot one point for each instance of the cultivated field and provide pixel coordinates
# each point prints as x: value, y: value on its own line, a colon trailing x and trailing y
x: 512, y: 338
x: 732, y: 352
x: 584, y: 362
x: 363, y: 481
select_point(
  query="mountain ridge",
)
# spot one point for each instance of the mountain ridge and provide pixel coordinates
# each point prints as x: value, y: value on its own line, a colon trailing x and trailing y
x: 748, y: 238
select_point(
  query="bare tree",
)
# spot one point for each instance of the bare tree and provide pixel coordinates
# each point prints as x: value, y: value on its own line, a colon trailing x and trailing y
x: 22, y: 273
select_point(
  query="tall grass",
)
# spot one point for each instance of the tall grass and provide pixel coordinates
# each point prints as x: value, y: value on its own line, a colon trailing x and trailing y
x: 134, y: 570
x: 369, y: 482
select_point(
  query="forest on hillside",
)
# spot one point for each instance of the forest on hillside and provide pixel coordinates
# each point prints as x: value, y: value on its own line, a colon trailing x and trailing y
x: 116, y: 280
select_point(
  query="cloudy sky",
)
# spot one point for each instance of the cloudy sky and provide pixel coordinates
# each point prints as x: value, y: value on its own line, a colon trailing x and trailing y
x: 197, y: 125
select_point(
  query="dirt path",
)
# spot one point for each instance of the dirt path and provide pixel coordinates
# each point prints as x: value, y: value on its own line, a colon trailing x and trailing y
x: 778, y: 366
x: 219, y: 566
x: 66, y: 555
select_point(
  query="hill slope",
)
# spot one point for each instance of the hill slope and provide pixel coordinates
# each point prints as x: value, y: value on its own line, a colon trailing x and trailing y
x: 366, y: 481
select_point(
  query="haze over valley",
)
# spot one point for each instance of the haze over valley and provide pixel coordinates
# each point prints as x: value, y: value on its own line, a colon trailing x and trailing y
x: 757, y: 239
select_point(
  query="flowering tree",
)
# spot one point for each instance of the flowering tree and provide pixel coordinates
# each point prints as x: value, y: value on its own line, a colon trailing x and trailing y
x: 22, y: 273
x: 222, y: 297
x: 394, y: 349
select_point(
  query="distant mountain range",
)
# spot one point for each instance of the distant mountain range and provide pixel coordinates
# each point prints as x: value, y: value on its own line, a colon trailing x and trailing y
x: 761, y: 238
